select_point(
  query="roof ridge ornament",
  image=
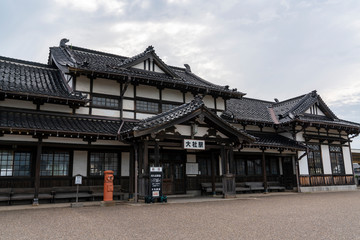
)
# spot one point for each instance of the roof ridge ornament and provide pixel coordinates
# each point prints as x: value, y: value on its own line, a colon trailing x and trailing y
x: 187, y: 68
x: 63, y: 42
x: 149, y: 49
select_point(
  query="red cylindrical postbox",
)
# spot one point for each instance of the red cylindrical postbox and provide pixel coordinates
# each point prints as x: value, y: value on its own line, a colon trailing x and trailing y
x: 108, y: 185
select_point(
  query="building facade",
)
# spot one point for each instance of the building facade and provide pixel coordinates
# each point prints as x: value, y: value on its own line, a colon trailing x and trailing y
x: 88, y: 111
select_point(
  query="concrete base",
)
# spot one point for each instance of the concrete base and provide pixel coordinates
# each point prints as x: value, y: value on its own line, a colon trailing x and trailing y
x: 229, y: 196
x: 328, y: 188
x: 193, y: 192
x: 76, y: 205
x: 107, y: 203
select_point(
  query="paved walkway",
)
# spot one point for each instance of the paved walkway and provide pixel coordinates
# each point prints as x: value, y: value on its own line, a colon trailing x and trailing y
x: 333, y: 215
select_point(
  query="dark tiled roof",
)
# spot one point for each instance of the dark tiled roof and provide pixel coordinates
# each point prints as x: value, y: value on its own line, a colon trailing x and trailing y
x: 179, y: 113
x: 248, y: 110
x: 94, y: 61
x: 274, y: 140
x: 60, y: 123
x: 164, y: 117
x: 22, y: 77
x: 284, y: 112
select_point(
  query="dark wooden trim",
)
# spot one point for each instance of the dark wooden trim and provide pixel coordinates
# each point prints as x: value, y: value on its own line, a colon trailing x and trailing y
x: 37, y: 170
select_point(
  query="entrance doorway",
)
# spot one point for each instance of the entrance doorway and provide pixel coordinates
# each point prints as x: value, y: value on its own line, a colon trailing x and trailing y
x: 288, y: 173
x: 173, y: 164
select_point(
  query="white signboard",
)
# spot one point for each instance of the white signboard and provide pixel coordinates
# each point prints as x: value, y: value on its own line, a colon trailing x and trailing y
x: 194, y: 144
x: 78, y: 179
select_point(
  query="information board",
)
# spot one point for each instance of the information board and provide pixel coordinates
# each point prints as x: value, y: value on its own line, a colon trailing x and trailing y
x: 194, y: 144
x: 156, y: 176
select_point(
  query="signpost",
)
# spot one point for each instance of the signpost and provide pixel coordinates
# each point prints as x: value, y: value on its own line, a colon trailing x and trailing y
x: 156, y: 176
x: 78, y: 181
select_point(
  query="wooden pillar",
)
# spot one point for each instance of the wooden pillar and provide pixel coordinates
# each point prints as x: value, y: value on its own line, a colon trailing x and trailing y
x: 157, y: 154
x: 131, y: 175
x: 264, y: 171
x: 224, y: 163
x: 231, y: 161
x: 136, y: 171
x: 146, y: 158
x: 213, y: 167
x: 37, y: 172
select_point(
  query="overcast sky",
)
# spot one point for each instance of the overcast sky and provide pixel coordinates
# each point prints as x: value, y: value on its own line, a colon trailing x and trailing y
x: 267, y: 49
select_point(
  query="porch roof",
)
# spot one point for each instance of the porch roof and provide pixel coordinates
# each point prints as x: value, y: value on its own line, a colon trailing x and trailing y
x: 30, y: 122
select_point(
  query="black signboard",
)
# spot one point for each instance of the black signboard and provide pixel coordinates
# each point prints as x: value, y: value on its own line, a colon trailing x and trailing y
x: 156, y: 175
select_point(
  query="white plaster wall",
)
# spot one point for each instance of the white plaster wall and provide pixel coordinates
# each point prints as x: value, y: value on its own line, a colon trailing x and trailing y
x: 189, y: 97
x: 80, y: 163
x: 106, y: 112
x: 143, y: 115
x: 252, y: 150
x: 105, y: 86
x: 201, y: 131
x: 56, y: 108
x: 125, y: 164
x: 220, y: 104
x: 64, y: 140
x: 326, y: 159
x: 147, y: 92
x: 82, y: 84
x: 82, y: 110
x: 13, y: 137
x: 347, y: 160
x: 128, y: 104
x: 129, y: 91
x: 172, y: 95
x: 209, y: 101
x: 221, y: 134
x: 139, y: 66
x: 130, y: 115
x: 13, y: 103
x: 183, y: 130
x: 303, y: 164
x: 157, y: 69
x: 299, y: 137
x: 218, y: 113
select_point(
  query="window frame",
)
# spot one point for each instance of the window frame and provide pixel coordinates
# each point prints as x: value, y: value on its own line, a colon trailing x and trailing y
x: 53, y: 152
x: 106, y: 97
x: 117, y: 172
x: 13, y: 165
x: 335, y: 162
x: 313, y: 165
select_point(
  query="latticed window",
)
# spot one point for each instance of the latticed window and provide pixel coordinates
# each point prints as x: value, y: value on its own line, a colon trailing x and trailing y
x: 54, y: 163
x: 14, y: 163
x: 167, y: 106
x: 102, y: 161
x: 105, y: 102
x: 144, y: 106
x: 272, y: 166
x: 337, y: 160
x: 240, y: 167
x: 254, y: 167
x: 314, y: 159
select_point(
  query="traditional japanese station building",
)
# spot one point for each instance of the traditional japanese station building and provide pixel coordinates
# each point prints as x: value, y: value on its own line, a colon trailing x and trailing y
x: 88, y: 111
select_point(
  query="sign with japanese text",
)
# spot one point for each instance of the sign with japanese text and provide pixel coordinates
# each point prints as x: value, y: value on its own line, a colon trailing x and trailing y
x: 194, y: 144
x: 156, y: 175
x: 78, y: 179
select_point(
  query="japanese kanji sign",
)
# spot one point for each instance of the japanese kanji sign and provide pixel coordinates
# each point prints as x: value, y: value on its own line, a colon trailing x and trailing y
x: 194, y: 144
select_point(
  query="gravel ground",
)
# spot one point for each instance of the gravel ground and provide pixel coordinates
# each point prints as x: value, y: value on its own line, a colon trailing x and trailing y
x: 333, y: 215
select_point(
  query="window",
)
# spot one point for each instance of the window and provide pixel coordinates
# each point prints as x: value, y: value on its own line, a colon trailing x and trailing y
x: 101, y: 161
x: 272, y: 166
x: 14, y: 163
x: 314, y: 159
x: 105, y: 102
x: 337, y: 160
x: 167, y: 106
x: 144, y: 106
x: 54, y: 163
x: 240, y: 167
x: 205, y: 166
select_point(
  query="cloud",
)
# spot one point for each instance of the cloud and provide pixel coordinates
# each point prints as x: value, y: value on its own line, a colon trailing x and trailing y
x: 109, y: 6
